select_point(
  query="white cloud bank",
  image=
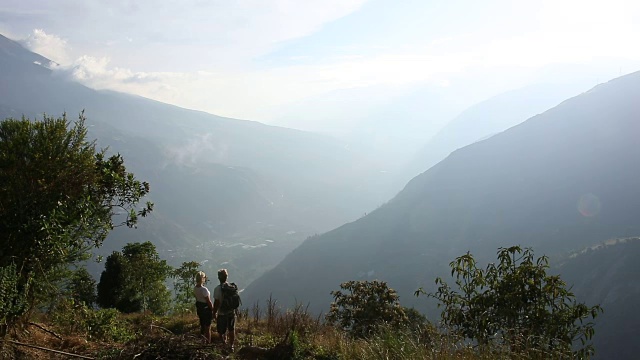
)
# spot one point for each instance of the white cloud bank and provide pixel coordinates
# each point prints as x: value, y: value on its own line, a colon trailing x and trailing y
x: 48, y: 45
x: 206, y: 54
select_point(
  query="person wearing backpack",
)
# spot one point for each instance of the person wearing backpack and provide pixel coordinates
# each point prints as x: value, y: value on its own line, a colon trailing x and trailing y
x: 226, y: 302
x: 204, y: 307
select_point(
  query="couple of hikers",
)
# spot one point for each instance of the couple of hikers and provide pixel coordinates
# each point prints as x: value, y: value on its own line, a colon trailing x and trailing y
x: 223, y: 309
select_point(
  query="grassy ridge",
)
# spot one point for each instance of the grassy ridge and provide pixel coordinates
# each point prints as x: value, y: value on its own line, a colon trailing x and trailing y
x: 263, y: 332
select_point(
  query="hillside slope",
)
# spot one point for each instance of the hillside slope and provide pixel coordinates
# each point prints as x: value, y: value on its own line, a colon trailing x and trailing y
x: 213, y: 179
x: 488, y: 118
x: 560, y: 181
x: 607, y: 274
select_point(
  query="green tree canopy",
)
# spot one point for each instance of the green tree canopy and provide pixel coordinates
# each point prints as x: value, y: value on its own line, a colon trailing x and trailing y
x: 82, y: 287
x: 517, y: 304
x: 361, y: 306
x: 134, y: 280
x: 59, y: 196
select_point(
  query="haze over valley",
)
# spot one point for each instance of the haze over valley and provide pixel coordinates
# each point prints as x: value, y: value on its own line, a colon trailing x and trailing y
x: 301, y: 148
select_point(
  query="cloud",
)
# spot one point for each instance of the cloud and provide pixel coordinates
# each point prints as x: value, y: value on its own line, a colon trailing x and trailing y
x: 199, y: 33
x: 255, y: 94
x: 49, y: 46
x: 96, y: 73
x: 196, y: 148
x: 208, y: 55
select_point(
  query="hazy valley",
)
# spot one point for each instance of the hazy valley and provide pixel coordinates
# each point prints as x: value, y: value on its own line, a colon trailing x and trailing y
x: 292, y: 214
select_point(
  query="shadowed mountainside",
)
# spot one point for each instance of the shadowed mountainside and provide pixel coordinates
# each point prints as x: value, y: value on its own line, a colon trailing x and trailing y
x: 607, y: 274
x: 560, y: 181
x: 488, y: 118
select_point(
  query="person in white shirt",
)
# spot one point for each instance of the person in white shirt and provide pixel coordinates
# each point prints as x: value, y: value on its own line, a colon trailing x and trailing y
x: 204, y: 307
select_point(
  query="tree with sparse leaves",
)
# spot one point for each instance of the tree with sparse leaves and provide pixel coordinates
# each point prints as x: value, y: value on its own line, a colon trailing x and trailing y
x: 184, y: 281
x: 59, y: 197
x: 517, y: 304
x: 360, y: 307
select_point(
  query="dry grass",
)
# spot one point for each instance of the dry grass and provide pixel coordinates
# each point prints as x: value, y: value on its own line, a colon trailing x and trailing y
x: 263, y: 332
x: 39, y: 334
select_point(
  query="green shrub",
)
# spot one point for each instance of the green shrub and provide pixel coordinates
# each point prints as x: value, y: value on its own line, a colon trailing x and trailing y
x: 364, y: 306
x: 68, y: 316
x: 515, y: 304
x: 13, y: 298
x: 71, y: 317
x: 105, y: 324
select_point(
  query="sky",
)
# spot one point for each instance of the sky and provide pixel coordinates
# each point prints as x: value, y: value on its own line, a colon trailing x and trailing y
x: 319, y: 65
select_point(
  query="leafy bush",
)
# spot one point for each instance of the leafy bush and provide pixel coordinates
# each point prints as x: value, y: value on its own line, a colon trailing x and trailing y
x: 76, y: 318
x: 105, y: 324
x: 13, y: 298
x: 516, y: 304
x: 365, y: 306
x: 68, y: 316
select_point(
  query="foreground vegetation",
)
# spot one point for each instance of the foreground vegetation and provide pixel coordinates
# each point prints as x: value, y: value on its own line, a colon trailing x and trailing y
x: 266, y: 332
x: 60, y: 197
x: 513, y: 310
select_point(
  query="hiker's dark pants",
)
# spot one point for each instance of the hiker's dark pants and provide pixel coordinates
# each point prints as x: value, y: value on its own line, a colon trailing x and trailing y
x: 226, y: 322
x: 204, y: 314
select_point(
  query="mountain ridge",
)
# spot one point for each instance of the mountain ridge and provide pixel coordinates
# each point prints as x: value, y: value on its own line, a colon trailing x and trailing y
x: 558, y: 182
x: 314, y: 187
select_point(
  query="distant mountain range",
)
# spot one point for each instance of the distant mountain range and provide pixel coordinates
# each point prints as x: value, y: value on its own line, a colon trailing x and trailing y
x: 488, y: 118
x: 559, y: 182
x: 214, y: 180
x: 241, y: 194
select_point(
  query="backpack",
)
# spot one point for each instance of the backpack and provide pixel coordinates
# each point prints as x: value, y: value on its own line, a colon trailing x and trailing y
x: 230, y: 297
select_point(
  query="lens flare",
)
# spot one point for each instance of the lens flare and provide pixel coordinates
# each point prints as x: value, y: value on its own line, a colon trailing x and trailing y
x: 589, y: 205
